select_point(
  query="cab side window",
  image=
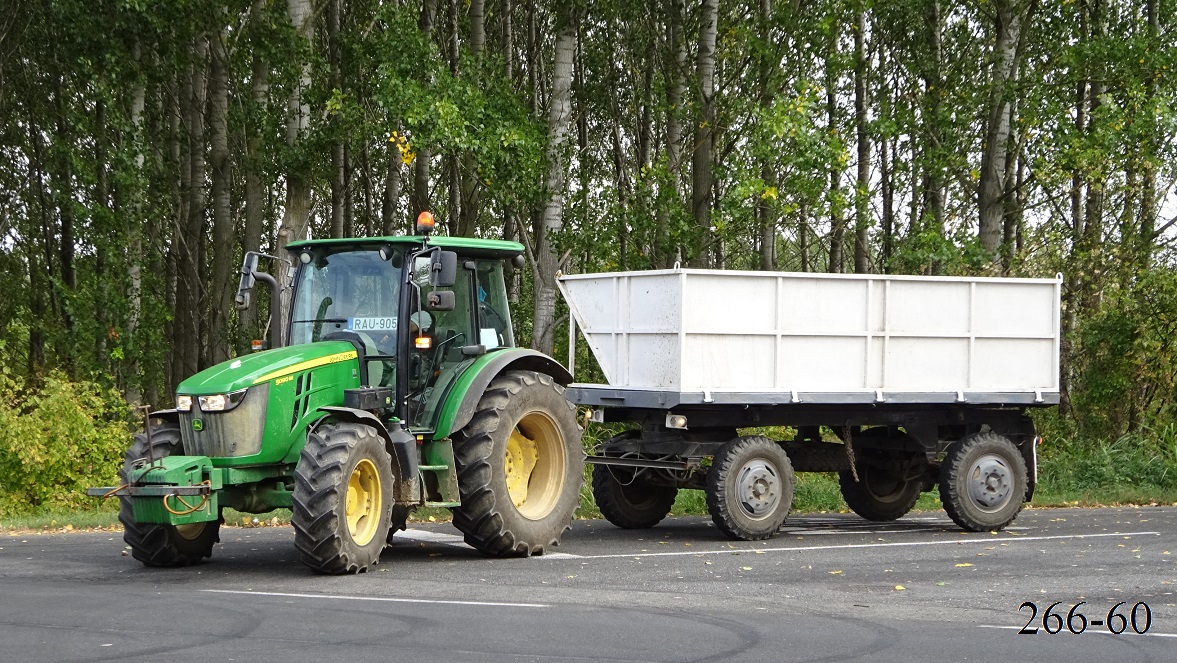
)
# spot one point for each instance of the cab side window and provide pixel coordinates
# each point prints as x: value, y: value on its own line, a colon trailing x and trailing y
x: 494, y: 312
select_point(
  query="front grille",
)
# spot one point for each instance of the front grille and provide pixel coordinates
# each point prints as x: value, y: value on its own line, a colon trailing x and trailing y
x: 231, y: 434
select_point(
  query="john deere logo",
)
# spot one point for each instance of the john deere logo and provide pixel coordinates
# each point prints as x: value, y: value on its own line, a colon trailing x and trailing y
x: 197, y: 425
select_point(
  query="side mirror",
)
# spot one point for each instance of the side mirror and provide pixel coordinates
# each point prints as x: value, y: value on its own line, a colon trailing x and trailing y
x: 440, y: 300
x: 443, y: 269
x: 248, y: 269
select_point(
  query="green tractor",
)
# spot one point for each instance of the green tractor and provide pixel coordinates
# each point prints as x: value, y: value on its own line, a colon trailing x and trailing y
x: 394, y: 383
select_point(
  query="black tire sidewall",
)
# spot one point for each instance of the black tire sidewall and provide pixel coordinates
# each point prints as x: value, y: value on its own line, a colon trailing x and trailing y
x: 156, y: 544
x: 865, y: 502
x: 618, y: 505
x: 319, y: 515
x: 551, y: 403
x: 954, y: 490
x: 722, y: 495
x: 487, y: 516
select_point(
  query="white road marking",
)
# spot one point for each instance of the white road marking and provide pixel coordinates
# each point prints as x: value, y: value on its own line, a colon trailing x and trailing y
x: 430, y: 537
x: 989, y: 539
x: 456, y: 541
x: 387, y: 599
x: 1089, y: 630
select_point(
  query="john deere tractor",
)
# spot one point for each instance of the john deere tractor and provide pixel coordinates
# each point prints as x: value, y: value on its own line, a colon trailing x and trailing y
x: 394, y: 383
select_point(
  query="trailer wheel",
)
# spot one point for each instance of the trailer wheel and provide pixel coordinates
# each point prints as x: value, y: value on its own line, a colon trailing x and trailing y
x: 155, y: 544
x: 983, y: 482
x: 880, y: 493
x: 628, y: 500
x: 342, y: 501
x: 520, y: 466
x: 750, y: 488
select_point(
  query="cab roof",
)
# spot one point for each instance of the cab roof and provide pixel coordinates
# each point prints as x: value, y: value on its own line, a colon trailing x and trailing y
x: 468, y: 246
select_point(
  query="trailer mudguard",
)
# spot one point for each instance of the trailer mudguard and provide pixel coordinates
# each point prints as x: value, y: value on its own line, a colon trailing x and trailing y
x: 401, y: 446
x: 462, y: 401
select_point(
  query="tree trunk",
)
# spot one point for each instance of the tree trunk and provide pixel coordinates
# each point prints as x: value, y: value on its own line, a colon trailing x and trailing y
x: 420, y: 197
x: 471, y: 188
x: 190, y: 305
x: 862, y: 186
x: 1009, y: 17
x: 222, y: 219
x: 138, y: 223
x: 298, y: 186
x: 933, y: 157
x: 703, y: 154
x: 837, y: 220
x: 255, y: 189
x: 335, y: 57
x: 559, y: 113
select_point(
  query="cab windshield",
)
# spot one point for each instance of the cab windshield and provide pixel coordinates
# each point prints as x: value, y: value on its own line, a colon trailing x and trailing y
x: 347, y: 291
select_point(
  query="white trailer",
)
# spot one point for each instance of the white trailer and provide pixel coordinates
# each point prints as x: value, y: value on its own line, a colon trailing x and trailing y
x: 924, y: 380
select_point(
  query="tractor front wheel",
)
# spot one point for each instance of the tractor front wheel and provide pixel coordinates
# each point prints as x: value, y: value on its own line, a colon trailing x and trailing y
x: 342, y: 500
x: 520, y: 466
x: 156, y: 544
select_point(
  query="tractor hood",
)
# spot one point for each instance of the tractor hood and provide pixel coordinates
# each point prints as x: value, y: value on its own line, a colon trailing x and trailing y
x: 260, y: 367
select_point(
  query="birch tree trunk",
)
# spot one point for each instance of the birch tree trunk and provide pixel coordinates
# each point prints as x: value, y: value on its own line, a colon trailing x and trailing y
x: 1009, y: 16
x: 298, y: 185
x: 552, y: 220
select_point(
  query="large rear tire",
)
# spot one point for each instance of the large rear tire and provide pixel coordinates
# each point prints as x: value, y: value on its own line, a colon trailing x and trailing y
x: 983, y: 482
x: 750, y: 488
x: 343, y: 498
x: 520, y: 466
x: 627, y: 500
x: 154, y: 544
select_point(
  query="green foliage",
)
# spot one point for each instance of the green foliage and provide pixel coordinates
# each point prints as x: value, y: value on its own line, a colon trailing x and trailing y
x: 56, y: 439
x: 1128, y: 359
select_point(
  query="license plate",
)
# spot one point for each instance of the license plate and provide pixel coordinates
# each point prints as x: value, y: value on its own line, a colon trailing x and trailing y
x: 372, y: 324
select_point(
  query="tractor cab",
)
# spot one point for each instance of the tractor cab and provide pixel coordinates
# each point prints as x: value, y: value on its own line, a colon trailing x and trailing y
x: 418, y: 311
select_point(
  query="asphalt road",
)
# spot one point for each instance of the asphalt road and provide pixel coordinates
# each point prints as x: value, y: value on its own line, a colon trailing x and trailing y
x: 828, y: 588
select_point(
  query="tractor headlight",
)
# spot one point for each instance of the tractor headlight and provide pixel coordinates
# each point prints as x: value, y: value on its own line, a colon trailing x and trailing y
x: 183, y: 403
x: 221, y: 402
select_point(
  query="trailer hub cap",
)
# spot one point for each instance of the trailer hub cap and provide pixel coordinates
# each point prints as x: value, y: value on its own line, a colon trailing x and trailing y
x: 758, y: 487
x: 990, y: 482
x: 363, y: 502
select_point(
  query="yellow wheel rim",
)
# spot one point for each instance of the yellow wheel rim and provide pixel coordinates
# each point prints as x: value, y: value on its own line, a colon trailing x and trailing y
x: 535, y: 465
x: 190, y: 532
x: 363, y: 502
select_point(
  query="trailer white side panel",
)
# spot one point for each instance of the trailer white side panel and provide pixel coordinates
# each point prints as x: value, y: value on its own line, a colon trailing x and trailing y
x: 692, y: 330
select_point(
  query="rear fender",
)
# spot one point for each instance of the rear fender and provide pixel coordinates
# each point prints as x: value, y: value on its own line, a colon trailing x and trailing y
x: 462, y: 400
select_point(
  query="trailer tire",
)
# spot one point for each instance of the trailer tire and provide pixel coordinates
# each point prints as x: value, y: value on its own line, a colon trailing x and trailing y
x: 342, y: 501
x: 877, y: 495
x: 816, y: 456
x: 636, y: 504
x: 750, y: 488
x: 156, y: 544
x: 983, y: 482
x: 520, y: 466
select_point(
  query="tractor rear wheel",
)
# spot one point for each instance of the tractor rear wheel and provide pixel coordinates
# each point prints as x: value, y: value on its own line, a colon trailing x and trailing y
x: 342, y: 500
x: 520, y: 466
x: 155, y: 544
